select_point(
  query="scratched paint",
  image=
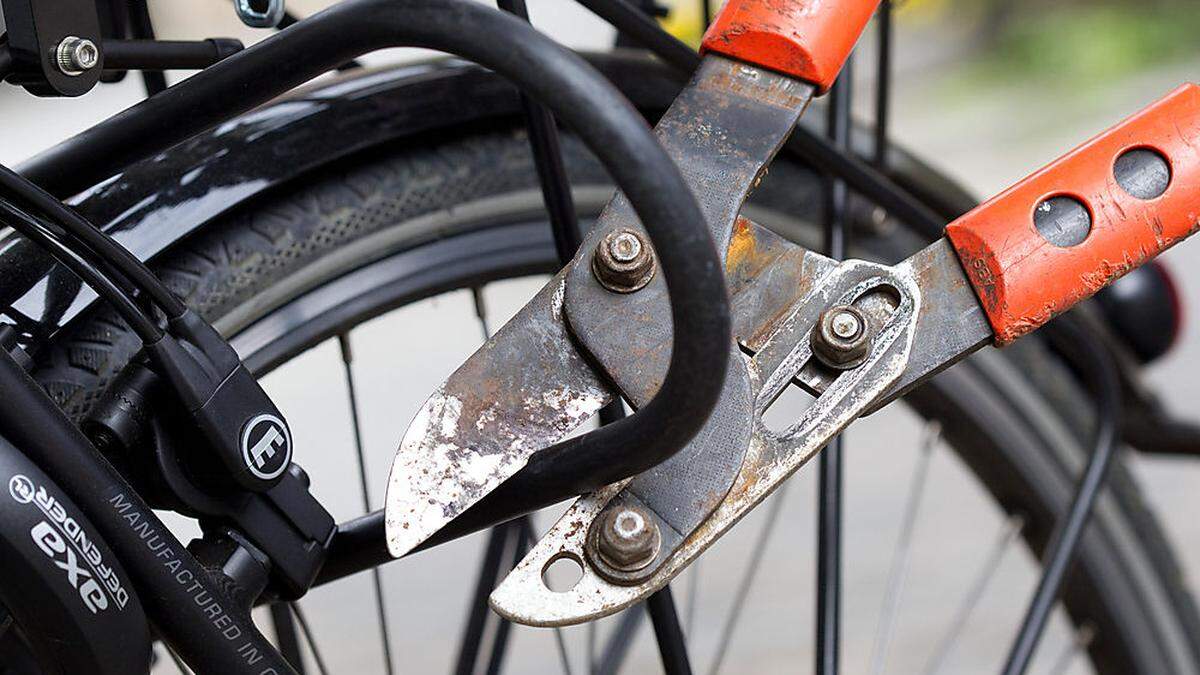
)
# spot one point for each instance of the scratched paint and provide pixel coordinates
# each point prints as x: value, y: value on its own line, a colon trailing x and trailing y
x: 807, y: 39
x: 1022, y: 280
x: 770, y: 458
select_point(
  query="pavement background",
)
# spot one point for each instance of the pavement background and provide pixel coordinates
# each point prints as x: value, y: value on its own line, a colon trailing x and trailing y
x: 987, y: 138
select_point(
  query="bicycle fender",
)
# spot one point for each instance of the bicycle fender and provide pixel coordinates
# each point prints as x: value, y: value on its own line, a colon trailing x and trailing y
x: 156, y: 203
x: 61, y: 582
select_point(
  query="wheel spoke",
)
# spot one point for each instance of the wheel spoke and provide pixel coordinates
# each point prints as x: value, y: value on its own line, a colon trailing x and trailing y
x: 481, y: 312
x: 747, y: 580
x: 591, y: 648
x: 285, y: 636
x: 671, y: 645
x: 356, y: 424
x: 528, y: 535
x: 563, y: 658
x: 520, y: 530
x: 1008, y: 535
x: 620, y: 640
x: 489, y: 572
x: 693, y: 592
x: 521, y: 535
x: 1083, y: 640
x: 308, y: 637
x: 898, y: 573
x: 178, y: 661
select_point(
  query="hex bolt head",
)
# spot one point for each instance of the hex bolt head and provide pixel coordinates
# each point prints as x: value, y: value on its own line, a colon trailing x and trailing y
x: 623, y: 262
x: 76, y: 55
x: 842, y: 337
x: 627, y: 538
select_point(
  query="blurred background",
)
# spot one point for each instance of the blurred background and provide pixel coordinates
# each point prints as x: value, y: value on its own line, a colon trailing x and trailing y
x: 986, y: 91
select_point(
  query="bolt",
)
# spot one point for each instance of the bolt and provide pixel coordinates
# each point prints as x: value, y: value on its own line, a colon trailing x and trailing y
x: 841, y: 338
x: 623, y: 262
x: 625, y: 247
x: 845, y: 325
x: 76, y: 55
x: 628, y: 538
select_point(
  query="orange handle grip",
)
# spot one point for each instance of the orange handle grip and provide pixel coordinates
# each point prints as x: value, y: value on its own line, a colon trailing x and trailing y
x: 1085, y: 220
x: 807, y: 39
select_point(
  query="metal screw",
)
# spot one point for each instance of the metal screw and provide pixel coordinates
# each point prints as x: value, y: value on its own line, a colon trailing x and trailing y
x: 841, y: 338
x: 627, y: 539
x: 76, y: 55
x: 845, y: 325
x: 623, y: 262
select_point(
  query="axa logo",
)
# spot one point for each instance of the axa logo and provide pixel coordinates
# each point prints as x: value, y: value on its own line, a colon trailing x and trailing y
x: 68, y: 544
x: 266, y: 446
x: 54, y: 545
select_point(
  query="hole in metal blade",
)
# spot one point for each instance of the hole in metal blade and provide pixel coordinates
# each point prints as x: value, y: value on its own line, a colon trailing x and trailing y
x: 562, y: 572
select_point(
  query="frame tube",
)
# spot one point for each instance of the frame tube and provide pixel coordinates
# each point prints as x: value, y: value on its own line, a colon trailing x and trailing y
x: 182, y: 600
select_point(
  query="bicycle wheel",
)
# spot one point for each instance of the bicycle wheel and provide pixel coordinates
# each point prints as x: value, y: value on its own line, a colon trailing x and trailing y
x: 311, y: 261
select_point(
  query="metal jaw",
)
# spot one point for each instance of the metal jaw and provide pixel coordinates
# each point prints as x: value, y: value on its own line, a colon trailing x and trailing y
x: 532, y: 383
x: 528, y: 388
x: 889, y: 296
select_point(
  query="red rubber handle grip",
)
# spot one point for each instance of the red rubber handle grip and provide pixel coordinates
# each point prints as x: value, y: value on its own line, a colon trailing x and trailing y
x: 807, y: 39
x: 1070, y: 229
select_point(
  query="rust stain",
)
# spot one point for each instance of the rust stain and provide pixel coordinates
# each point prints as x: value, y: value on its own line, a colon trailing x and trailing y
x: 742, y: 246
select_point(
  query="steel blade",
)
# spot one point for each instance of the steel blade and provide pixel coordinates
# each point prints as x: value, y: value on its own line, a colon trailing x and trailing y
x: 951, y: 323
x: 525, y: 389
x: 771, y: 458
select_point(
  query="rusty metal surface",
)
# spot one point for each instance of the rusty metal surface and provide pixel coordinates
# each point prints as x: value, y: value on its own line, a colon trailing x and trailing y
x: 771, y: 457
x: 767, y: 275
x: 534, y: 382
x: 528, y: 387
x: 951, y: 324
x: 722, y: 130
x: 525, y: 389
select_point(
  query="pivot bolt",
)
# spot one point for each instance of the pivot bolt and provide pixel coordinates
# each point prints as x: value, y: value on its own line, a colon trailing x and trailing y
x: 626, y: 538
x: 623, y: 262
x: 842, y: 337
x: 76, y: 55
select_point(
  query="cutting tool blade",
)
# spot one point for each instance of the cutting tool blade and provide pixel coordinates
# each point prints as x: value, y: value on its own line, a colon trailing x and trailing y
x: 525, y: 389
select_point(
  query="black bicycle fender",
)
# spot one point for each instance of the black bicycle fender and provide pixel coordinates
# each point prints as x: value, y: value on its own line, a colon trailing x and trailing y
x: 156, y: 202
x: 62, y: 584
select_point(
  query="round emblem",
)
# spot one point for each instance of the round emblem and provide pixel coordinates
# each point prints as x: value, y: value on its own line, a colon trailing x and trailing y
x: 21, y: 489
x: 266, y: 446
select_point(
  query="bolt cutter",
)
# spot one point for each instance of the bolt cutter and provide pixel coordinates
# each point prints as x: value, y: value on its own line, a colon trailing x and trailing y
x: 855, y: 334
